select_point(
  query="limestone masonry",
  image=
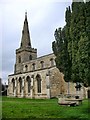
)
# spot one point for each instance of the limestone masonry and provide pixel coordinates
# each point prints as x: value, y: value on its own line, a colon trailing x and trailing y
x: 36, y: 77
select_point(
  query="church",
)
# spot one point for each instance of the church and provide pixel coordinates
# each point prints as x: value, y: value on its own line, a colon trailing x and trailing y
x: 35, y: 77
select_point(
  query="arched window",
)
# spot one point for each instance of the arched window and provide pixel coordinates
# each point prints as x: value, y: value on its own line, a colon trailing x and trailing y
x: 29, y: 83
x: 52, y: 61
x: 13, y: 82
x: 33, y: 66
x: 20, y: 84
x: 26, y: 68
x: 38, y: 83
x: 19, y: 59
x: 42, y: 64
x: 30, y: 57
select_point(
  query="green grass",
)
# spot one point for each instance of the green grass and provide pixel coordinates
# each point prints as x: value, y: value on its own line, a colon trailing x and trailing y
x: 39, y: 108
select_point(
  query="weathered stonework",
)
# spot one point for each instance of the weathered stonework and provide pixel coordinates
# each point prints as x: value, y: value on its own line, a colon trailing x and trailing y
x: 52, y: 82
x: 36, y: 77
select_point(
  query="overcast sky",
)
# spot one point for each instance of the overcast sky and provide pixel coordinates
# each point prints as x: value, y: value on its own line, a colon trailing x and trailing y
x: 43, y: 18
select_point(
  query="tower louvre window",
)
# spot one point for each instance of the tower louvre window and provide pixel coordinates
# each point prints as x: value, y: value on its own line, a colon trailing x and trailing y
x: 30, y: 57
x: 19, y: 59
x: 26, y: 68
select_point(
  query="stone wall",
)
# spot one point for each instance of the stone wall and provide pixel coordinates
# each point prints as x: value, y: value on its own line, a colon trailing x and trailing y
x: 52, y: 81
x: 46, y: 63
x: 70, y: 89
x: 57, y: 82
x: 52, y: 89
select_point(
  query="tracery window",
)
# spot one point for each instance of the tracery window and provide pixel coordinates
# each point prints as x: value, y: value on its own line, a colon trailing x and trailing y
x: 20, y: 84
x: 33, y: 66
x: 42, y: 64
x: 38, y: 83
x: 52, y: 61
x: 13, y: 82
x: 30, y: 57
x: 29, y: 83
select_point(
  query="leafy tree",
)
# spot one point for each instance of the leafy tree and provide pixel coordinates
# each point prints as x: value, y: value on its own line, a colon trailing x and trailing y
x: 82, y: 59
x: 58, y: 48
x: 68, y: 44
x: 87, y: 12
x: 72, y: 44
x: 62, y: 56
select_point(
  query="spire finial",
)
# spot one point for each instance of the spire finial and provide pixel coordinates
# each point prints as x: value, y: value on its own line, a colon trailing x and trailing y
x: 25, y: 14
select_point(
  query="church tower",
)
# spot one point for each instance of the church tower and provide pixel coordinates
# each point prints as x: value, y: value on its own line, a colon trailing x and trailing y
x: 25, y: 53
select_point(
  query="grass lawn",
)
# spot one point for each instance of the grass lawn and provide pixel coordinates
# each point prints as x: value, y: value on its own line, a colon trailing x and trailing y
x: 39, y: 108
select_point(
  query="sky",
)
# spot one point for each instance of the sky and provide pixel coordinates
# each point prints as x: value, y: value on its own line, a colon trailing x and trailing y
x: 44, y: 16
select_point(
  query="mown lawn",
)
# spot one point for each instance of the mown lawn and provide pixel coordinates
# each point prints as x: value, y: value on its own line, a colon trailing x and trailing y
x: 39, y: 108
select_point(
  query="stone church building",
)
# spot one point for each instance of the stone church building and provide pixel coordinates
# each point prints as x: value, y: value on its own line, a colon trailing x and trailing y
x: 35, y: 77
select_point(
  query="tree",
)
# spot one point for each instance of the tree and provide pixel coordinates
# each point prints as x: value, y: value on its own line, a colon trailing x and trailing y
x: 72, y: 44
x: 68, y: 44
x: 62, y: 56
x: 58, y: 48
x: 87, y: 6
x: 75, y: 29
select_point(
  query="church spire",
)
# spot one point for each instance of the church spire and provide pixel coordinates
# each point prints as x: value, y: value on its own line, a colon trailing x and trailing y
x: 25, y: 41
x: 26, y: 15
